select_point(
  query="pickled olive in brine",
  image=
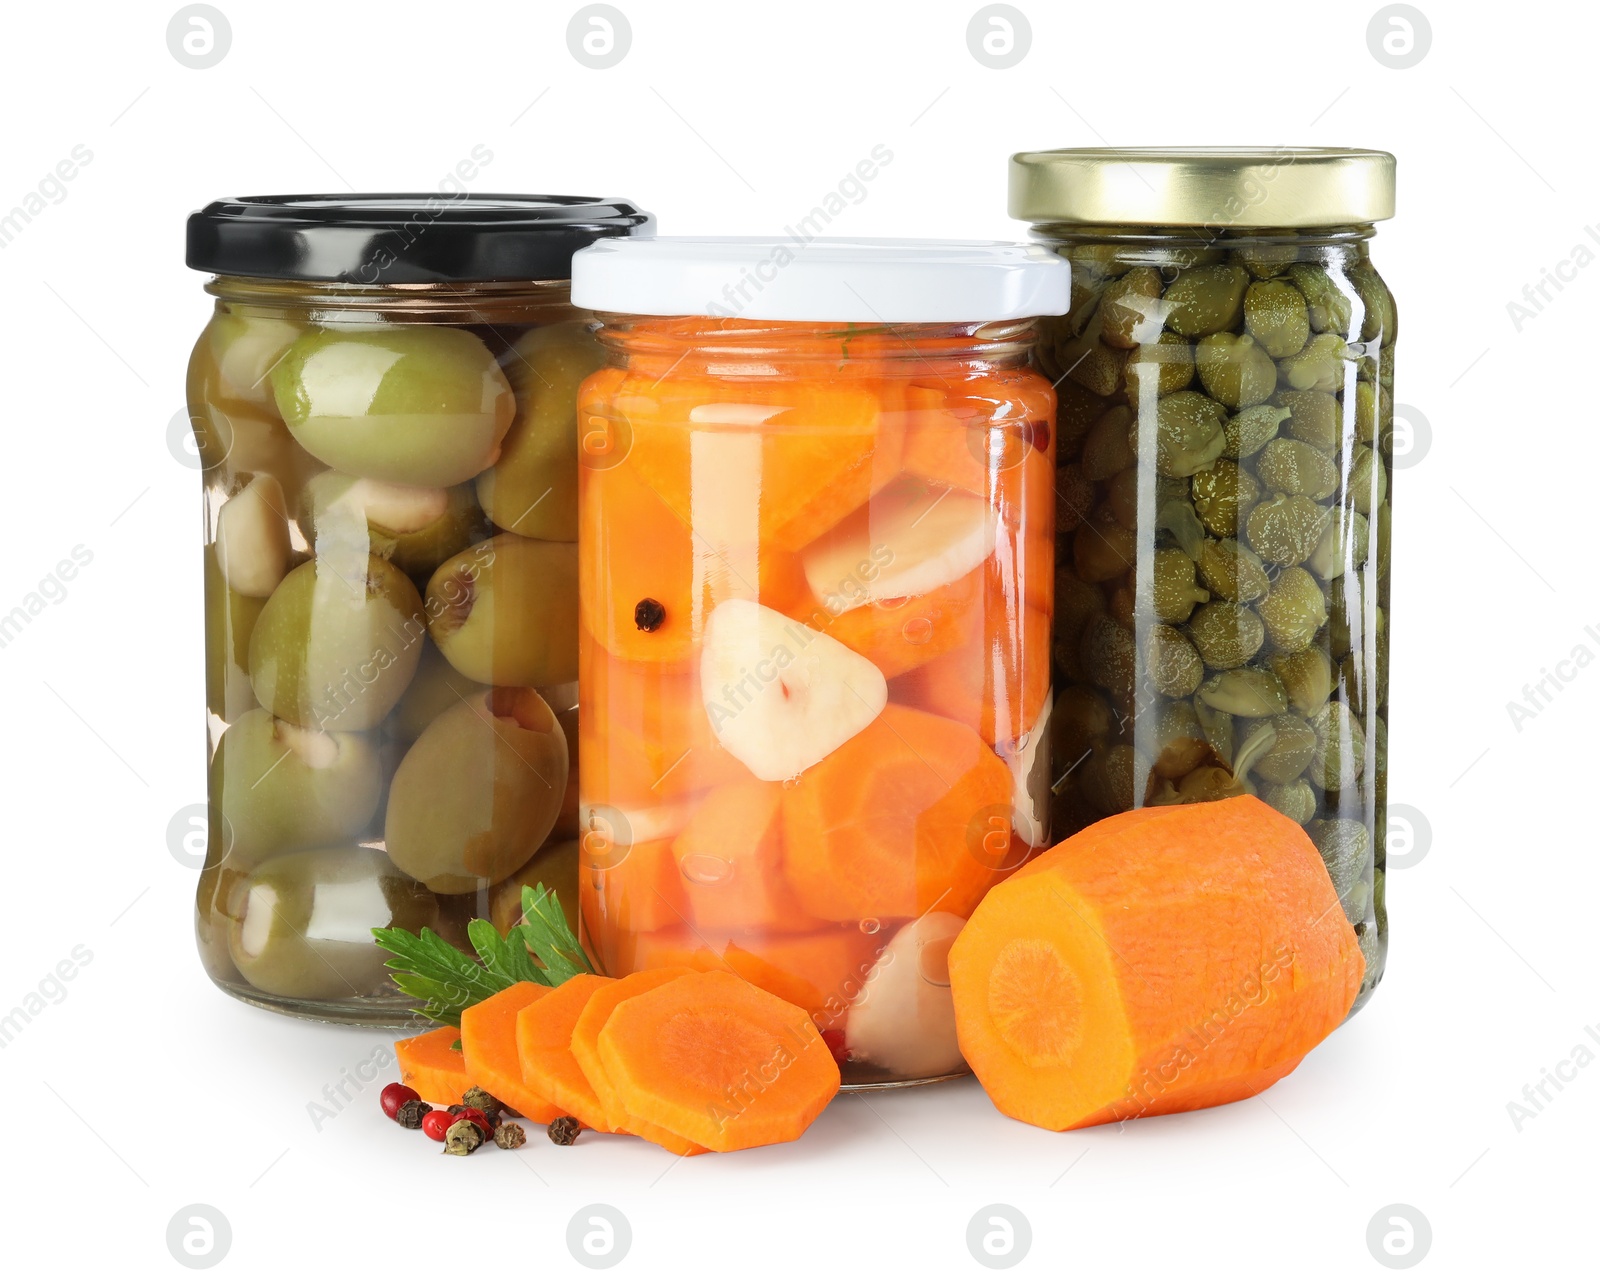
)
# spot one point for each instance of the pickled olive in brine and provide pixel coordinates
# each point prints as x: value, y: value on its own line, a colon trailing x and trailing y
x: 1235, y: 370
x: 1275, y: 314
x: 1189, y: 434
x: 416, y: 528
x: 1223, y: 495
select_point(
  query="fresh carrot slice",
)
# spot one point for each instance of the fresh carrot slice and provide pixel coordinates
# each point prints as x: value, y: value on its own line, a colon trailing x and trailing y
x: 1159, y: 961
x: 729, y: 861
x: 489, y: 1044
x: 719, y: 1062
x: 889, y: 824
x: 586, y: 1050
x: 544, y: 1045
x: 430, y: 1065
x: 996, y: 684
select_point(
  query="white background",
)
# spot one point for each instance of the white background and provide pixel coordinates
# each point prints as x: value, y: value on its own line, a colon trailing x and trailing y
x: 145, y: 1090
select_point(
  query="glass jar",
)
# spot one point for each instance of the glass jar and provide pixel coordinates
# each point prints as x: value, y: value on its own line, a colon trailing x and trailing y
x: 383, y: 403
x: 815, y: 576
x: 1224, y: 438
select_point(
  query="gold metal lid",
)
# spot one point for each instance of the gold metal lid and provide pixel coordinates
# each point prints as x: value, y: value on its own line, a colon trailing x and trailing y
x: 1221, y: 187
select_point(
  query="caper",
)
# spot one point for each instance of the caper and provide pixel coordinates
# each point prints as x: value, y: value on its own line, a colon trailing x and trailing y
x: 1209, y: 783
x: 1079, y: 720
x: 1244, y: 692
x: 1076, y: 410
x: 1180, y: 742
x: 1341, y: 747
x: 1380, y: 551
x: 1377, y: 304
x: 1122, y: 603
x: 1218, y: 728
x: 1077, y: 602
x: 1108, y: 448
x: 1313, y: 417
x: 1327, y: 304
x: 1294, y: 800
x: 1223, y: 495
x: 1107, y: 653
x: 1286, y: 528
x: 1346, y: 849
x: 1257, y: 740
x: 1205, y: 299
x: 1087, y: 289
x: 1129, y: 313
x: 1295, y: 610
x: 1275, y: 314
x: 1251, y: 430
x: 1231, y: 571
x: 1353, y: 675
x: 1189, y: 434
x: 1165, y: 365
x: 1102, y: 550
x: 1297, y: 468
x: 1226, y: 634
x: 1173, y: 664
x: 1348, y: 614
x: 1094, y: 364
x: 1264, y: 258
x: 1074, y: 498
x: 1307, y: 677
x: 1367, y: 481
x: 1103, y: 259
x: 1344, y: 543
x: 1380, y: 903
x: 1174, y: 593
x: 1235, y: 370
x: 1293, y: 744
x: 1320, y: 365
x: 1373, y: 410
x: 1108, y: 778
x: 1177, y: 518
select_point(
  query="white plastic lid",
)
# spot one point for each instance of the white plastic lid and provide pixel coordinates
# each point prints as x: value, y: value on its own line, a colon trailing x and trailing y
x: 822, y: 280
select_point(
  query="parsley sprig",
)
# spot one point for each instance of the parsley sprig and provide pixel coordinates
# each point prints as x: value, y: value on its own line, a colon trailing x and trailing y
x: 446, y: 979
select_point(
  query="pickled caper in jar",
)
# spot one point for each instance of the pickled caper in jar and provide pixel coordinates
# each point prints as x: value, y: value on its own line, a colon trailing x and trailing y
x: 1367, y: 481
x: 1244, y: 692
x: 1292, y: 467
x: 1373, y: 410
x: 1252, y: 429
x: 1232, y: 572
x: 1307, y: 676
x: 1108, y: 446
x: 1340, y: 754
x: 1108, y: 656
x: 1344, y: 543
x: 1171, y: 661
x: 1223, y: 495
x: 1255, y: 741
x: 1206, y: 299
x: 1293, y: 745
x: 1346, y: 849
x: 1077, y: 603
x: 1275, y: 314
x: 1164, y: 365
x: 1294, y: 800
x: 1377, y: 303
x: 1320, y: 365
x: 1294, y: 610
x: 1226, y: 633
x: 1075, y: 497
x: 1079, y: 720
x: 1189, y: 435
x: 1313, y: 417
x: 1285, y: 529
x: 1108, y: 778
x: 1129, y: 310
x: 1094, y: 364
x: 1348, y: 616
x: 1174, y: 592
x: 1235, y: 370
x: 1327, y: 304
x: 1178, y: 519
x: 1180, y: 741
x: 1102, y: 550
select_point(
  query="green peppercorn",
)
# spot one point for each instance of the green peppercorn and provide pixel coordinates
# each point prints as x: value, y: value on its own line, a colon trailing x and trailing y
x: 1206, y: 299
x: 1275, y: 314
x: 1171, y: 661
x: 1231, y: 571
x: 1295, y: 610
x: 1189, y: 435
x: 1244, y: 692
x: 1223, y: 495
x: 1235, y: 370
x: 1226, y: 634
x: 1165, y: 365
x: 1285, y: 529
x: 1174, y: 592
x: 1307, y: 677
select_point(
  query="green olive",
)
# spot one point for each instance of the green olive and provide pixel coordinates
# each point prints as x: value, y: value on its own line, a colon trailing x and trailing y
x: 415, y: 404
x: 1108, y: 449
x: 1327, y: 304
x: 1295, y: 610
x: 1174, y: 593
x: 1173, y: 664
x: 1294, y: 800
x: 1314, y: 417
x: 1285, y: 529
x: 1275, y: 314
x: 1164, y: 365
x: 436, y: 686
x: 1307, y: 677
x: 1129, y: 309
x: 1344, y: 544
x: 532, y: 488
x: 1189, y: 435
x: 1180, y: 741
x: 1107, y: 656
x: 1223, y: 497
x: 1102, y: 550
x: 335, y: 648
x: 1226, y: 634
x: 1206, y: 299
x: 1294, y: 742
x: 416, y: 528
x: 1244, y: 692
x: 556, y: 868
x: 1346, y: 849
x: 1292, y: 467
x: 1367, y: 482
x: 1252, y: 429
x: 1232, y: 572
x: 1320, y: 365
x: 1079, y: 720
x: 230, y: 619
x: 478, y: 792
x: 252, y: 539
x: 505, y: 612
x: 303, y: 922
x: 240, y: 350
x: 1341, y: 747
x: 1235, y: 370
x: 279, y: 787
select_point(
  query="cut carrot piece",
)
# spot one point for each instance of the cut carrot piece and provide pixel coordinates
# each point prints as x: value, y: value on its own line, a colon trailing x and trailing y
x: 718, y: 1062
x: 889, y: 824
x: 902, y: 634
x: 489, y: 1044
x: 979, y: 435
x: 586, y: 1049
x: 820, y: 972
x: 996, y: 684
x: 430, y: 1065
x: 729, y: 860
x: 636, y: 887
x: 1159, y: 961
x: 544, y: 1044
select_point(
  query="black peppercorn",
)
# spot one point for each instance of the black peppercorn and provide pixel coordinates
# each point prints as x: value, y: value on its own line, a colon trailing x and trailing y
x: 510, y: 1136
x: 410, y: 1114
x: 649, y: 615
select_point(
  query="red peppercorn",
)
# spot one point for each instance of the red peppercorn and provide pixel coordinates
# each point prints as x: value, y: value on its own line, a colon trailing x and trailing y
x: 834, y: 1039
x: 436, y: 1123
x: 395, y: 1096
x: 479, y: 1118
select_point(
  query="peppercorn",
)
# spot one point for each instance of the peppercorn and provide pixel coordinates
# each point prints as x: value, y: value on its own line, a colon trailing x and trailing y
x: 649, y: 615
x: 476, y: 1116
x: 510, y: 1137
x: 486, y: 1102
x: 411, y: 1114
x: 463, y: 1138
x: 563, y: 1131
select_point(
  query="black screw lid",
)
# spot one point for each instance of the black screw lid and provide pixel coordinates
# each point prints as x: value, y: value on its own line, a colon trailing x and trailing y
x: 404, y: 238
